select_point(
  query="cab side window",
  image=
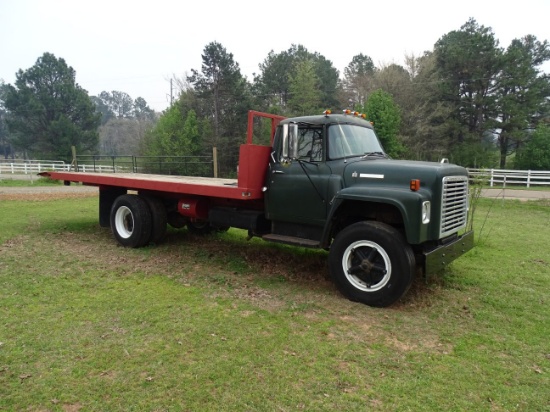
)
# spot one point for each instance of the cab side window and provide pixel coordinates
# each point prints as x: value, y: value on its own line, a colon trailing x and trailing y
x: 310, y: 144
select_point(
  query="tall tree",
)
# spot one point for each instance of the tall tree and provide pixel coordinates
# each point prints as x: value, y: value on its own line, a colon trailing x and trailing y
x: 358, y: 79
x: 222, y: 89
x: 395, y: 80
x: 142, y: 111
x: 120, y: 104
x: 221, y: 97
x: 103, y: 109
x: 273, y: 84
x: 49, y: 112
x: 384, y: 113
x: 468, y: 61
x: 305, y: 95
x: 424, y: 127
x: 522, y: 92
x: 5, y: 146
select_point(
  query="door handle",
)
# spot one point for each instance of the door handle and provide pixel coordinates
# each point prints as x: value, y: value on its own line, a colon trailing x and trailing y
x: 278, y: 171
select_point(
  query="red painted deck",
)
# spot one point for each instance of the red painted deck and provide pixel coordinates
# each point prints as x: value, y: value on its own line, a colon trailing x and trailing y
x: 178, y: 185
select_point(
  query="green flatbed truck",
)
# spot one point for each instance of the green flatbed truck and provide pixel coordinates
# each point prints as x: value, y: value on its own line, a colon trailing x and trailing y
x: 323, y: 182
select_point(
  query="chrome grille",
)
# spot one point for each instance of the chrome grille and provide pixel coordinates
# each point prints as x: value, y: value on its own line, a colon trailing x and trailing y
x: 454, y: 204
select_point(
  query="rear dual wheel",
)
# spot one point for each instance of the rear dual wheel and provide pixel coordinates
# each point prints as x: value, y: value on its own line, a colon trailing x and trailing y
x: 159, y: 217
x: 138, y: 220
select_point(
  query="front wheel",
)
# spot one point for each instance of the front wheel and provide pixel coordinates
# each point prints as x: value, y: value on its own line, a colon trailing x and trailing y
x: 371, y: 263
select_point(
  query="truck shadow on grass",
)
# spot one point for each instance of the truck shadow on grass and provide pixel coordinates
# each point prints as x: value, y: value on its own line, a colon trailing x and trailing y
x: 270, y: 276
x: 229, y: 260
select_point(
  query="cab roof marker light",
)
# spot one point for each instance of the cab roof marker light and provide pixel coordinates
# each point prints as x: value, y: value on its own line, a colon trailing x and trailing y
x: 327, y: 112
x: 356, y: 114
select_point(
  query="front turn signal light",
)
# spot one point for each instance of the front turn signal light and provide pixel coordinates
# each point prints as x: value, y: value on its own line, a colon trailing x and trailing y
x: 415, y: 185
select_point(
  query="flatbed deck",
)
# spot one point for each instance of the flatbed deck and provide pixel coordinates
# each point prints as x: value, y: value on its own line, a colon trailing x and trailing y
x: 177, y: 185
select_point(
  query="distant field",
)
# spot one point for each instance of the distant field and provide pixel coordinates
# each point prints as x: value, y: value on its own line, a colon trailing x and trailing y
x: 222, y: 324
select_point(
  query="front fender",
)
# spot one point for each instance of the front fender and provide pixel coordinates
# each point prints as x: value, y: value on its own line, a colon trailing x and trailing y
x: 408, y: 203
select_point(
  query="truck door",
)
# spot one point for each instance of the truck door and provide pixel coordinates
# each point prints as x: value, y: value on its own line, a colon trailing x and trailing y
x: 297, y: 188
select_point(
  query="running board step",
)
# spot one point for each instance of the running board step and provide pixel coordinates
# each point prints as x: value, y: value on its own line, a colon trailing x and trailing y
x: 291, y: 240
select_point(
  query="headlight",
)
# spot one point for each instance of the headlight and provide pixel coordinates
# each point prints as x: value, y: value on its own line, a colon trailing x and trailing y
x: 426, y: 209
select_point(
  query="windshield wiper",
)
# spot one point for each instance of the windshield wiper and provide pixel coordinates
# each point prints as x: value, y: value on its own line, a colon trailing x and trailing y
x: 374, y: 154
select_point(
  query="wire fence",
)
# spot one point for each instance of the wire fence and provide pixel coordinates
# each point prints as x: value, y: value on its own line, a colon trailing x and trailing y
x: 165, y: 165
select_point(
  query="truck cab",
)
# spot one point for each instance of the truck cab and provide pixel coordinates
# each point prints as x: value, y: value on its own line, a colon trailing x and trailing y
x: 329, y: 184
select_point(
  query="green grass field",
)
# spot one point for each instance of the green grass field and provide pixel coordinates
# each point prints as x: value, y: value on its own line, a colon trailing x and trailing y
x: 222, y: 324
x: 28, y: 181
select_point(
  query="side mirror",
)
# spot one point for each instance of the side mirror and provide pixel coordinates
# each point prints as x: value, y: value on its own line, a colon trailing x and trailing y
x: 293, y: 140
x: 285, y: 143
x: 290, y: 142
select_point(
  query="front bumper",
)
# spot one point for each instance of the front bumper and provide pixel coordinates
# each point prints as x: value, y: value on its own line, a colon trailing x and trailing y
x: 437, y: 259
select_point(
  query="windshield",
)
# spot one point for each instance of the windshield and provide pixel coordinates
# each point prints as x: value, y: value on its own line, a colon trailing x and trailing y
x: 345, y: 140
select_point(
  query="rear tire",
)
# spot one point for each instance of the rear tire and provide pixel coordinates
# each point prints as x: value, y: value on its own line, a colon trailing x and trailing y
x: 131, y: 221
x: 159, y: 218
x: 371, y: 263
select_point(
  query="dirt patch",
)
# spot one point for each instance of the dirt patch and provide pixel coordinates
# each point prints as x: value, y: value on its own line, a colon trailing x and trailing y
x: 44, y: 193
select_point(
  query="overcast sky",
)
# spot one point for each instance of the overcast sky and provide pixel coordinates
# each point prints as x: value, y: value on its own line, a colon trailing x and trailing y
x: 136, y: 46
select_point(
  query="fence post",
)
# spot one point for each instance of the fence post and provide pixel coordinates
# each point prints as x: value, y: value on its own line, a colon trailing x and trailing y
x: 528, y: 178
x: 215, y: 160
x: 74, y: 162
x: 491, y: 181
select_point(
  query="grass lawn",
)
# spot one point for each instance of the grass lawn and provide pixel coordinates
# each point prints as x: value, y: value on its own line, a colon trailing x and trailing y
x: 221, y: 324
x: 30, y: 180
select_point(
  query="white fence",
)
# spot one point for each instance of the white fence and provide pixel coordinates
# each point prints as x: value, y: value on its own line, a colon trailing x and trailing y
x: 33, y: 167
x: 500, y: 177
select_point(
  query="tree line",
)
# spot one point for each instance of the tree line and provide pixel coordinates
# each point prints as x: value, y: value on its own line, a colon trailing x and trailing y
x: 468, y: 99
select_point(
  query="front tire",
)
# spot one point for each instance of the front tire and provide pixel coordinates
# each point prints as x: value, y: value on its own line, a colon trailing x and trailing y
x: 371, y: 263
x: 131, y: 221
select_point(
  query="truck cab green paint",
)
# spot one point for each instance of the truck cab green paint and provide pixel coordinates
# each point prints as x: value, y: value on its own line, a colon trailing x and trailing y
x: 340, y: 175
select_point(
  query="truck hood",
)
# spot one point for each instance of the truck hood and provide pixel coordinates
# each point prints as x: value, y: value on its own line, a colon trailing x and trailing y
x: 397, y: 173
